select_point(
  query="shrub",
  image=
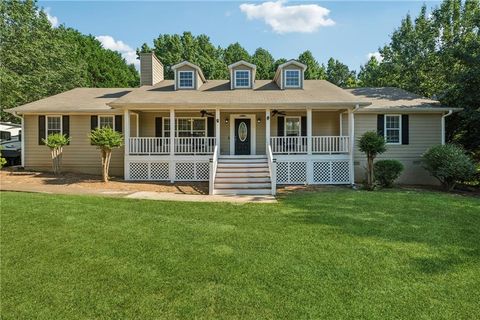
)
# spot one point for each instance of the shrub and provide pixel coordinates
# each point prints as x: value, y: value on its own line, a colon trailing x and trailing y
x: 106, y: 139
x: 56, y: 142
x: 372, y: 144
x: 449, y: 164
x: 387, y: 171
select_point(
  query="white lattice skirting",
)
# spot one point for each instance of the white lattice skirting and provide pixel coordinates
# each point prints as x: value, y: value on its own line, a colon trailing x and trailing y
x: 319, y: 171
x: 160, y: 170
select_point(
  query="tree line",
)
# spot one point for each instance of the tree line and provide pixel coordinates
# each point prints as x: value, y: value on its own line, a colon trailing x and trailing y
x: 214, y: 60
x: 38, y: 60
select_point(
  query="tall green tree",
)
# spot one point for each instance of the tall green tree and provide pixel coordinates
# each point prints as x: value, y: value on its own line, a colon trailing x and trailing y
x: 265, y: 64
x: 38, y: 60
x: 314, y: 69
x: 339, y: 74
x: 236, y: 52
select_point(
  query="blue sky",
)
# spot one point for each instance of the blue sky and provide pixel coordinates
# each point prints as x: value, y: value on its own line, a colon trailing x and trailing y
x: 345, y: 30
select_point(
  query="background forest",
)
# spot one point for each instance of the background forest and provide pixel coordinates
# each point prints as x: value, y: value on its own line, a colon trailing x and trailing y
x: 436, y: 55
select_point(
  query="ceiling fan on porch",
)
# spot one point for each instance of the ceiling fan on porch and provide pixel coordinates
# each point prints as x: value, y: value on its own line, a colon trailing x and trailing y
x: 206, y: 113
x: 280, y: 113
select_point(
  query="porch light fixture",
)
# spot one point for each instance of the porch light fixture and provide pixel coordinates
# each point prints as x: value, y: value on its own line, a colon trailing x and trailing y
x: 259, y: 120
x: 226, y: 120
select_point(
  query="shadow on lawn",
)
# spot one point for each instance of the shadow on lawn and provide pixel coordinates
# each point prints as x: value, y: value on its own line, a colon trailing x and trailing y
x: 450, y: 227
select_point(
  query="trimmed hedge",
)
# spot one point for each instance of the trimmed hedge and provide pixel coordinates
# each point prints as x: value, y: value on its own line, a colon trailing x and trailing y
x: 387, y: 171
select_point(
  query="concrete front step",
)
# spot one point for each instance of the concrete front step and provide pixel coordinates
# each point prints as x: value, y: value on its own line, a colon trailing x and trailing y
x: 243, y: 191
x: 242, y: 185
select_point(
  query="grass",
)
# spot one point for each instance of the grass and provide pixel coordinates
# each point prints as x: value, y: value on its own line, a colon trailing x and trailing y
x: 334, y: 254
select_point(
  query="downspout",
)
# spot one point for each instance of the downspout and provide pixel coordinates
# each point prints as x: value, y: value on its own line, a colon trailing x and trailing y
x: 22, y: 142
x: 443, y: 125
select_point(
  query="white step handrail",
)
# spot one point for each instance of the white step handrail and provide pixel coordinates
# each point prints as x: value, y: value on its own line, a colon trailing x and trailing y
x: 272, y: 168
x: 213, y: 171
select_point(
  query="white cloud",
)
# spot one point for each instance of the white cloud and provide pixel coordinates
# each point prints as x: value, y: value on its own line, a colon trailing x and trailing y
x: 375, y: 54
x: 304, y: 18
x: 52, y: 19
x: 108, y: 42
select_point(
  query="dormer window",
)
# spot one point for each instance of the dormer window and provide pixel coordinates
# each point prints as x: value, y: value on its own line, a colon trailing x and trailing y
x: 242, y: 78
x: 185, y: 79
x: 292, y: 78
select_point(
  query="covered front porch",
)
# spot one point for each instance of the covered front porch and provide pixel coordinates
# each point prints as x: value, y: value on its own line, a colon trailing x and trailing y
x: 301, y: 146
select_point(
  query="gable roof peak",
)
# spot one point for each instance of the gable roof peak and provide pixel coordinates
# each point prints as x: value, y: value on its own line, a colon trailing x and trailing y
x: 242, y: 62
x: 191, y: 65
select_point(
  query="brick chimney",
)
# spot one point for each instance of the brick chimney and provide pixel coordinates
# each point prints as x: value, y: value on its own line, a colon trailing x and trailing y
x: 151, y: 69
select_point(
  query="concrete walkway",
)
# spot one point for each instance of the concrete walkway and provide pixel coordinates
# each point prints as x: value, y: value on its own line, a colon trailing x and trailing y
x: 164, y: 196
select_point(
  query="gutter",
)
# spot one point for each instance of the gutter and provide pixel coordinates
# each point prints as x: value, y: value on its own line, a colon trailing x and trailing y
x: 443, y: 124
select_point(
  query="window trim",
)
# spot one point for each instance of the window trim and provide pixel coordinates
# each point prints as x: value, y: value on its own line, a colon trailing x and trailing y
x: 105, y: 116
x: 399, y: 116
x: 179, y: 79
x: 167, y: 120
x: 299, y: 125
x: 249, y: 72
x: 46, y: 123
x: 299, y: 76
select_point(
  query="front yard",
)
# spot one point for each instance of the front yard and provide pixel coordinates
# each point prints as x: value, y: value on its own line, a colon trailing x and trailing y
x: 337, y: 254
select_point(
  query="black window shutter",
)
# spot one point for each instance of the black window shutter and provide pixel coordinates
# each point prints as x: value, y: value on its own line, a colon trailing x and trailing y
x: 304, y: 127
x: 158, y: 126
x: 118, y: 124
x: 211, y: 127
x: 381, y: 124
x: 405, y: 127
x: 41, y: 129
x: 93, y: 122
x: 280, y: 126
x: 66, y: 126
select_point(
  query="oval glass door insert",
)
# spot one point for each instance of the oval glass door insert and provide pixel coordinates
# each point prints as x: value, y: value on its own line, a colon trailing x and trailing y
x: 242, y: 131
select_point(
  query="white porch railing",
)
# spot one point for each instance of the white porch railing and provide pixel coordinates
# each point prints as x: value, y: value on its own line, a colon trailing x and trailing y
x: 194, y: 145
x: 320, y: 144
x: 149, y: 146
x: 330, y: 144
x: 272, y: 168
x: 213, y: 171
x: 288, y: 145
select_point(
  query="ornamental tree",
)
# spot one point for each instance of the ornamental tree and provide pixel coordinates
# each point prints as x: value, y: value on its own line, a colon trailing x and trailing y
x: 106, y: 139
x: 372, y: 144
x: 56, y: 142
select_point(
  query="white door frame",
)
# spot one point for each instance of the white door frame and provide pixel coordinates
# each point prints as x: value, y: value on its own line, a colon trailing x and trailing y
x: 253, y: 128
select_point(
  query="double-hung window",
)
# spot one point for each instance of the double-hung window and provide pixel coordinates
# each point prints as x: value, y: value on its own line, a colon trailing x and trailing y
x: 106, y: 121
x: 393, y: 127
x: 185, y: 79
x: 292, y: 126
x: 186, y: 127
x: 242, y: 78
x: 292, y: 78
x: 54, y: 125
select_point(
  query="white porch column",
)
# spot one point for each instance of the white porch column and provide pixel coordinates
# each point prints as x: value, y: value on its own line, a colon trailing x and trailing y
x: 172, y: 145
x: 217, y: 129
x: 309, y: 131
x: 267, y: 128
x: 351, y: 143
x: 22, y: 143
x: 341, y: 123
x: 126, y: 136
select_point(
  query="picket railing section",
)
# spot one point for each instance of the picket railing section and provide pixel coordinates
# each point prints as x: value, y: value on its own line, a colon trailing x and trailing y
x: 194, y: 145
x: 320, y: 144
x: 149, y: 146
x: 330, y: 144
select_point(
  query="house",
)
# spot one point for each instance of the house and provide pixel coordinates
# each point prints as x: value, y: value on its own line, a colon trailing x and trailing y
x: 244, y: 135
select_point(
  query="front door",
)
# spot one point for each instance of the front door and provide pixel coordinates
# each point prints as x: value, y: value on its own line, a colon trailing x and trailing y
x: 243, y: 134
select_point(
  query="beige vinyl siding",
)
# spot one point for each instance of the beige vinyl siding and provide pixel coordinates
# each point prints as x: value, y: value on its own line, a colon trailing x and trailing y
x: 324, y: 123
x: 151, y: 70
x: 79, y: 156
x: 424, y: 132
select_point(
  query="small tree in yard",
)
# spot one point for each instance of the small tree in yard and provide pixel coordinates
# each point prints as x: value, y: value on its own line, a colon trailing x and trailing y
x: 106, y: 139
x: 372, y: 145
x: 449, y: 164
x: 56, y: 142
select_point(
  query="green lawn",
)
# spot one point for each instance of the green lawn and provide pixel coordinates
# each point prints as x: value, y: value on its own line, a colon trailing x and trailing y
x: 334, y: 254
